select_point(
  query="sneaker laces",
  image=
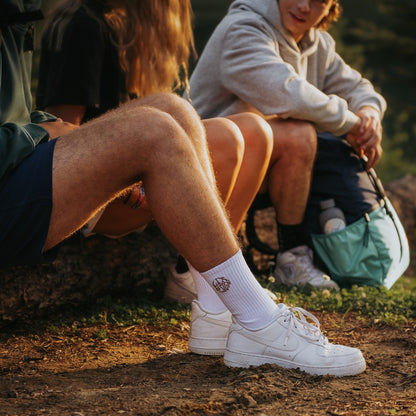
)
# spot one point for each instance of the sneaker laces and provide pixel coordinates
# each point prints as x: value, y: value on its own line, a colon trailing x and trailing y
x: 297, y: 318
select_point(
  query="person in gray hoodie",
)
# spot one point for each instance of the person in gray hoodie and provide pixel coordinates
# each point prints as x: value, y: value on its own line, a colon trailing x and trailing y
x: 275, y: 58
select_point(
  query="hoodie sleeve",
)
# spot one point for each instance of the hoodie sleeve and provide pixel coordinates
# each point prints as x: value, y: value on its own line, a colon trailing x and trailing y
x: 252, y: 68
x: 344, y: 81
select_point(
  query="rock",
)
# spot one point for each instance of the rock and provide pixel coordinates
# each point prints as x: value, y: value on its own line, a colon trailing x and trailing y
x: 402, y: 194
x: 87, y: 269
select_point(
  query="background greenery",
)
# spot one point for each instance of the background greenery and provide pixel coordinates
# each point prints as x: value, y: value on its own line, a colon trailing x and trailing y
x: 376, y: 37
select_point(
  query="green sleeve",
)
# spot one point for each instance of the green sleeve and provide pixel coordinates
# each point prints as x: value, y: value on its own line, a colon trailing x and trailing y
x: 17, y: 142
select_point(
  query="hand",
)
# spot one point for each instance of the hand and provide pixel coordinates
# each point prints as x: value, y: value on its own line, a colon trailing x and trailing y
x: 365, y: 136
x: 58, y: 128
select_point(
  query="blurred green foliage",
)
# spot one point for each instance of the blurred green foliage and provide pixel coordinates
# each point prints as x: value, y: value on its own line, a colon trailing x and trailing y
x: 377, y: 38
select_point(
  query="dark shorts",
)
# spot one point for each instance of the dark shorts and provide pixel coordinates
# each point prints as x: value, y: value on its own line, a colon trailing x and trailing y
x: 25, y: 209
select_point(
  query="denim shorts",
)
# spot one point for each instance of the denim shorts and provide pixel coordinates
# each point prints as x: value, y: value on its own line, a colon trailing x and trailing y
x: 25, y: 209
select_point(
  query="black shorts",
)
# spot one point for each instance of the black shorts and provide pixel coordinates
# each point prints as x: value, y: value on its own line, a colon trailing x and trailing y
x: 25, y: 209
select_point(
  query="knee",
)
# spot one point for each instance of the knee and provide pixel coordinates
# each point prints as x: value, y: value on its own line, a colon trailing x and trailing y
x: 225, y: 142
x: 257, y: 133
x: 172, y: 104
x: 183, y: 112
x: 300, y: 140
x: 155, y: 135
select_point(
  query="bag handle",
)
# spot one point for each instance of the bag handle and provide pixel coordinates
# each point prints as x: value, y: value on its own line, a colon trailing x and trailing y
x: 378, y: 186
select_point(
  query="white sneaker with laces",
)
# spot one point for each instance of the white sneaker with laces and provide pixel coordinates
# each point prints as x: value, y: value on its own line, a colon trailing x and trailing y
x: 295, y: 267
x: 290, y: 341
x: 209, y: 331
x: 180, y: 287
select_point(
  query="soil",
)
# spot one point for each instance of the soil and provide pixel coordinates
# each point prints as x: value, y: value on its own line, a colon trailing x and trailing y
x: 148, y: 370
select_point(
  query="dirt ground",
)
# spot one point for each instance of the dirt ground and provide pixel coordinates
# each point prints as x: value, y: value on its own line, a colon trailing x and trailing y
x: 146, y: 370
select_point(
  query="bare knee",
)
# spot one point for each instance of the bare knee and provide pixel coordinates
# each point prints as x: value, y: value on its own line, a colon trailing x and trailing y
x: 257, y: 133
x: 152, y: 139
x: 183, y: 112
x: 297, y: 140
x: 225, y: 143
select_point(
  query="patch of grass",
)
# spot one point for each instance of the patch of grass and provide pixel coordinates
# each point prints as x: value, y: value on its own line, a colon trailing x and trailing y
x: 125, y: 312
x: 395, y: 306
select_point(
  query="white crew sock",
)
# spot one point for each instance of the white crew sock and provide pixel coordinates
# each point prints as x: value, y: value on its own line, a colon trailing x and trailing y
x: 243, y: 295
x: 207, y: 296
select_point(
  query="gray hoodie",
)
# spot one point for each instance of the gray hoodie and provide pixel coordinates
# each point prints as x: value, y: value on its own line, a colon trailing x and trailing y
x: 251, y: 63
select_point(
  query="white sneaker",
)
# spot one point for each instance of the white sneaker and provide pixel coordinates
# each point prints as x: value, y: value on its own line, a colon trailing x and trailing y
x: 295, y: 268
x: 180, y: 287
x: 209, y: 331
x: 291, y: 342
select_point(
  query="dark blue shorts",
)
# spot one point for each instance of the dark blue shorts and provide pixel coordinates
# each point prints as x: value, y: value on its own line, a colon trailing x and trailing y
x: 25, y: 209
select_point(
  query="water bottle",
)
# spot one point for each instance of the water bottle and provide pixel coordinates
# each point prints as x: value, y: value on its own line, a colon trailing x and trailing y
x: 331, y: 218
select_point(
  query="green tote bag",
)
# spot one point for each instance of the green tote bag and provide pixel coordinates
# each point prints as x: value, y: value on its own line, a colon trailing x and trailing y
x: 371, y: 251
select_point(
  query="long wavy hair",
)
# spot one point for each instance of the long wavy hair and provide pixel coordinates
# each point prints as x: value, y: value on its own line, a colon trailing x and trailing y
x: 154, y: 38
x: 333, y: 15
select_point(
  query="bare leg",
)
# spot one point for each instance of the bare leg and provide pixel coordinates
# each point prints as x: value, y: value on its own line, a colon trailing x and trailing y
x: 258, y: 139
x: 290, y: 171
x: 239, y: 163
x: 226, y: 147
x: 241, y: 178
x: 167, y: 151
x: 119, y: 219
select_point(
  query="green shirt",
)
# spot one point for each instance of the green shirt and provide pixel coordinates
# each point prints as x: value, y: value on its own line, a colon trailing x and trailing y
x: 19, y: 135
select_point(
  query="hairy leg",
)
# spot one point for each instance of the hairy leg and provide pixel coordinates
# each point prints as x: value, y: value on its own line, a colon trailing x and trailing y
x: 290, y: 170
x: 167, y: 152
x: 226, y: 147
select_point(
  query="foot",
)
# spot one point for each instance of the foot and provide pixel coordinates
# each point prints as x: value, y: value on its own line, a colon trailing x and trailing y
x: 290, y: 341
x: 295, y: 268
x: 209, y: 331
x: 180, y: 287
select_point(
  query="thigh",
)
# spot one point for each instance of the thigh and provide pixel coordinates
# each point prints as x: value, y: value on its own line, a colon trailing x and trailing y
x: 25, y: 209
x: 100, y: 159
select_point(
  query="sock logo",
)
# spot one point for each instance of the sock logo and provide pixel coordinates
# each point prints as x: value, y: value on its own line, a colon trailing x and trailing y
x: 221, y: 284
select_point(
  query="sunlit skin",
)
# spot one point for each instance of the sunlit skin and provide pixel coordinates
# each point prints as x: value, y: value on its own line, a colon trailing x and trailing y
x: 298, y: 17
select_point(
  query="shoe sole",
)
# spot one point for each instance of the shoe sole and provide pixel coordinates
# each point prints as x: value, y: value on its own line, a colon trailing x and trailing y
x: 232, y: 359
x: 278, y: 281
x: 207, y: 346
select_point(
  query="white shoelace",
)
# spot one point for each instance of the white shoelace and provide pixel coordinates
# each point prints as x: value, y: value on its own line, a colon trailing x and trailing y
x: 313, y: 332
